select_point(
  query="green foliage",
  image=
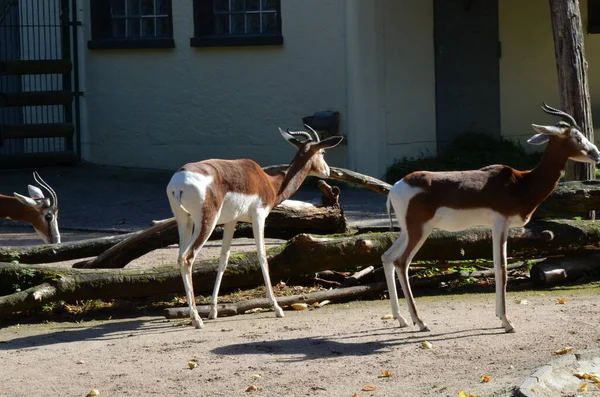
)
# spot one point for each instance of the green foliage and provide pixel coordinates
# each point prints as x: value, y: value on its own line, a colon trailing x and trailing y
x: 468, y: 151
x: 462, y: 269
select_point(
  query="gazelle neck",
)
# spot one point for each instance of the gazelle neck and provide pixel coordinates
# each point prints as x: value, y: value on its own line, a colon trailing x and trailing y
x: 288, y: 181
x: 545, y: 176
x: 11, y: 208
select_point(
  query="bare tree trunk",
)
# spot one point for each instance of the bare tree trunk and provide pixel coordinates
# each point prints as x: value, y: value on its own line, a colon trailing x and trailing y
x: 572, y: 75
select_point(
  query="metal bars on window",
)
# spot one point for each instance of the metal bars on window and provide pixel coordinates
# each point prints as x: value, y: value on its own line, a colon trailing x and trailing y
x: 246, y: 17
x: 133, y: 19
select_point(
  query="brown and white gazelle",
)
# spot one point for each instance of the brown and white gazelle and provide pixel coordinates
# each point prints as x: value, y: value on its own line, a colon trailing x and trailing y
x: 211, y: 192
x: 497, y: 196
x: 39, y: 211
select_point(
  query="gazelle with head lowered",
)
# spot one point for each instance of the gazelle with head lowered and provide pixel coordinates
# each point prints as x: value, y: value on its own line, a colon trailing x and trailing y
x: 39, y: 211
x: 211, y: 192
x: 497, y: 196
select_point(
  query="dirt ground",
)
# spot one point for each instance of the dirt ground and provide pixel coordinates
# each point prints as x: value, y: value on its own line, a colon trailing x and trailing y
x: 336, y: 350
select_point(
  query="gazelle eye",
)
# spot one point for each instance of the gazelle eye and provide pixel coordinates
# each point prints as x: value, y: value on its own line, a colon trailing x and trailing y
x: 48, y: 217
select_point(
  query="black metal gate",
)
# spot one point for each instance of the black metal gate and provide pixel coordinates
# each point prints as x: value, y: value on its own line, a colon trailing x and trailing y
x: 39, y: 83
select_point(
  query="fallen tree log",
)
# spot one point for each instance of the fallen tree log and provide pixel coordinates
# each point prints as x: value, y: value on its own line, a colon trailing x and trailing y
x: 342, y: 174
x: 553, y: 271
x: 570, y: 199
x: 284, y: 222
x: 40, y: 285
x: 232, y: 309
x: 337, y: 294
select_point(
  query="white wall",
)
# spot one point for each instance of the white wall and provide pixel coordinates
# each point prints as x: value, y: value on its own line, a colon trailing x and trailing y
x: 163, y: 108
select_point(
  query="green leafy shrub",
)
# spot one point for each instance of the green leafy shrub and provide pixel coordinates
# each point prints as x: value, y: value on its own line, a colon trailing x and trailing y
x: 469, y: 151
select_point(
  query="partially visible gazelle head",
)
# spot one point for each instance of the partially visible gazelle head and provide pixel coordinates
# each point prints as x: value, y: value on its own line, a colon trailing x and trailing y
x: 44, y: 217
x: 569, y: 135
x: 312, y: 150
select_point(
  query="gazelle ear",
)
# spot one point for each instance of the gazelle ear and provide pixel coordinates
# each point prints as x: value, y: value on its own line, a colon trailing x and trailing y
x: 548, y: 129
x: 330, y: 142
x: 26, y: 200
x: 35, y: 192
x: 539, y: 139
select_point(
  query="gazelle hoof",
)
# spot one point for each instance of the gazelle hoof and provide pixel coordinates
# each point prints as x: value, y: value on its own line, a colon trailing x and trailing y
x: 423, y: 328
x: 279, y: 312
x: 213, y: 314
x: 197, y: 323
x: 508, y: 327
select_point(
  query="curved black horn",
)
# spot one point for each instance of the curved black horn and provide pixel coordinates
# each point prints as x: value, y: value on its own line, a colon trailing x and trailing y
x: 557, y: 112
x: 314, y: 132
x: 300, y: 133
x: 43, y: 184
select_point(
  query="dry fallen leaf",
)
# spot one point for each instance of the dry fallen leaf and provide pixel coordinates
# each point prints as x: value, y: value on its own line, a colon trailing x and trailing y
x: 79, y: 362
x: 385, y: 373
x: 583, y: 387
x: 463, y: 394
x: 522, y: 302
x: 280, y: 285
x: 588, y: 376
x: 388, y: 317
x: 253, y: 388
x: 368, y: 388
x: 299, y: 306
x: 426, y: 345
x: 93, y: 392
x: 486, y: 378
x: 565, y: 350
x: 355, y: 395
x: 192, y: 364
x: 561, y: 301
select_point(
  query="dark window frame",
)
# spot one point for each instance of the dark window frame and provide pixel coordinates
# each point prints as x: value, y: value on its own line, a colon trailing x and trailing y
x: 205, y: 36
x: 593, y: 16
x: 102, y: 37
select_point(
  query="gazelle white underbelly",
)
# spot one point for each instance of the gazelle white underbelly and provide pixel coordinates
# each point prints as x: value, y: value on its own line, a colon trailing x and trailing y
x: 240, y: 207
x: 454, y: 220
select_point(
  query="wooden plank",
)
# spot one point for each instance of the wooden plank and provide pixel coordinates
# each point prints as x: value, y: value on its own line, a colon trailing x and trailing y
x: 50, y: 130
x: 47, y: 66
x: 26, y: 160
x: 35, y: 98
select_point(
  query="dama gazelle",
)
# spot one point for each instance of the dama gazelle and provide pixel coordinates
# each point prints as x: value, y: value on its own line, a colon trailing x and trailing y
x: 497, y: 196
x: 211, y: 192
x: 39, y: 211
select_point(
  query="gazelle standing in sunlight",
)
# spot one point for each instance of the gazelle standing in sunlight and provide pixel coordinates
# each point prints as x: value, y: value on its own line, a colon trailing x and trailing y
x: 211, y: 192
x: 497, y: 196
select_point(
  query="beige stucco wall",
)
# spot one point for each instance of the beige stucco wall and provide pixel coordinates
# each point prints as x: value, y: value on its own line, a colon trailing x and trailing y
x: 391, y: 82
x: 162, y: 108
x: 410, y: 79
x: 528, y: 67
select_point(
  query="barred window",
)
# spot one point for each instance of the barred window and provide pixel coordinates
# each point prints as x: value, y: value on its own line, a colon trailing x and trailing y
x: 237, y: 22
x: 131, y: 24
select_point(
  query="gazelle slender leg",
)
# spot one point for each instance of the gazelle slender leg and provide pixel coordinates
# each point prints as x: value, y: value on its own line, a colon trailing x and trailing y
x: 187, y: 256
x: 389, y: 269
x: 228, y: 230
x: 402, y: 264
x: 499, y: 238
x: 258, y: 227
